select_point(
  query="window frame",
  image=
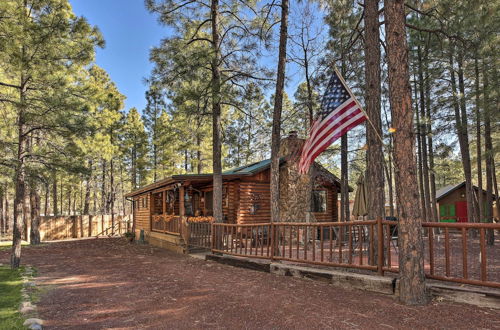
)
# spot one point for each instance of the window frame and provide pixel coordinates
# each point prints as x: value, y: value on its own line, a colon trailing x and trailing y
x: 325, y: 201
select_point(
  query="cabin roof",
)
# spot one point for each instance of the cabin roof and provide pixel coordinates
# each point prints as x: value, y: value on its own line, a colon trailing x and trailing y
x: 445, y: 191
x: 234, y: 173
x: 251, y: 168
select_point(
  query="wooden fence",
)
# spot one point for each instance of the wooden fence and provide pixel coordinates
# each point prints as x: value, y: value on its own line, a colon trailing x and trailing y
x: 452, y: 252
x: 77, y: 226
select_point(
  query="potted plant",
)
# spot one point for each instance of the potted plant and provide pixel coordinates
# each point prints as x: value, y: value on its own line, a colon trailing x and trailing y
x: 130, y: 236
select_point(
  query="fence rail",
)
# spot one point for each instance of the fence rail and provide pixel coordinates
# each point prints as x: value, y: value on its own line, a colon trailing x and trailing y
x: 459, y: 252
x: 452, y: 251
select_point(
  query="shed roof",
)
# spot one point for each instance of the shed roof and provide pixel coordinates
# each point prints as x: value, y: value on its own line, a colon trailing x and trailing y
x: 445, y: 191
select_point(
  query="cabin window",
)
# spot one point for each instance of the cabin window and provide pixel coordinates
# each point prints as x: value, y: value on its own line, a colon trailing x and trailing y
x: 157, y: 203
x: 144, y: 202
x: 318, y: 201
x: 170, y: 202
x: 209, y: 202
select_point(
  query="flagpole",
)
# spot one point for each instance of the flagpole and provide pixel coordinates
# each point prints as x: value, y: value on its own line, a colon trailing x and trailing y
x: 359, y: 105
x: 361, y: 108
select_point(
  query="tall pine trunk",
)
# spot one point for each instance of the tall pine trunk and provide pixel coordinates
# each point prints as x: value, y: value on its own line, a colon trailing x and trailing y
x: 112, y: 194
x: 463, y: 139
x: 35, y: 215
x: 278, y: 105
x: 2, y: 217
x: 432, y: 176
x: 488, y: 151
x: 374, y: 154
x: 472, y: 211
x: 46, y: 199
x: 420, y: 172
x: 7, y: 211
x: 411, y: 262
x: 20, y: 179
x: 134, y: 167
x: 86, y: 204
x: 69, y: 199
x: 103, y: 188
x: 423, y: 137
x: 199, y: 165
x: 54, y: 194
x: 479, y: 160
x: 61, y: 198
x: 216, y: 113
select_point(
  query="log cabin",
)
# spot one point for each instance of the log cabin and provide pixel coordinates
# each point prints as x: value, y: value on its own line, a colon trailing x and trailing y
x: 161, y: 208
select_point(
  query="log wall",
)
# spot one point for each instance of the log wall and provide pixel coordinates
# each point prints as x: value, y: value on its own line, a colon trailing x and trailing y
x: 254, y: 194
x: 142, y: 212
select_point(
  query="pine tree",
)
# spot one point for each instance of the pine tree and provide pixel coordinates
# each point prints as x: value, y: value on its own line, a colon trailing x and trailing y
x: 40, y: 72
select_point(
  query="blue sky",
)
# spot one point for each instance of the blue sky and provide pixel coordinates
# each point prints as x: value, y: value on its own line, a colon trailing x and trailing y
x: 130, y: 31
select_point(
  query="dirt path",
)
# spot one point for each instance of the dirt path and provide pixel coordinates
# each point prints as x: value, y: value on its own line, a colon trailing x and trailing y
x: 109, y: 283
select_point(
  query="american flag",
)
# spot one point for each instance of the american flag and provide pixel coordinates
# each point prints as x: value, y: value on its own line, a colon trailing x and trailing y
x: 339, y: 113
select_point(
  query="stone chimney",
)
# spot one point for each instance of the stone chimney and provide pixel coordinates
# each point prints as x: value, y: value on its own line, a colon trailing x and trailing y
x: 295, y: 188
x: 290, y: 147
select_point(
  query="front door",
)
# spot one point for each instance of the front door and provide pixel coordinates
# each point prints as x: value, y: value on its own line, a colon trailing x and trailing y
x: 461, y: 209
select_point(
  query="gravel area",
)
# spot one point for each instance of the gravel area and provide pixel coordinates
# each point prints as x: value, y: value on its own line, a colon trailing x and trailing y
x: 113, y: 284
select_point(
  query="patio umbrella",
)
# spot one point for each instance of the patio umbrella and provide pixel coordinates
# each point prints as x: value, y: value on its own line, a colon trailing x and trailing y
x: 360, y: 207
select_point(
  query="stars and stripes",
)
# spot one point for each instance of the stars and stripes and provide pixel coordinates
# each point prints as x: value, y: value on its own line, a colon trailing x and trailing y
x: 339, y: 113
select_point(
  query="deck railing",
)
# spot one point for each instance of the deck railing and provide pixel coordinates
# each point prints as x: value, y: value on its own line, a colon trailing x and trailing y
x: 169, y: 224
x: 200, y: 234
x: 453, y: 252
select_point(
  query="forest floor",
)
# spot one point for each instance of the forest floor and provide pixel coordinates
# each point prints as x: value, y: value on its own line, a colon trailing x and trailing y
x: 110, y: 283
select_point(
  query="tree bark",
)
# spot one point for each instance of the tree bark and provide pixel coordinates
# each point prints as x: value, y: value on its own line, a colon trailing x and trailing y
x: 54, y: 194
x: 199, y: 166
x: 423, y: 137
x: 432, y: 177
x: 488, y: 151
x: 69, y: 200
x: 478, y: 143
x: 216, y: 113
x: 35, y: 215
x: 2, y: 217
x: 134, y: 167
x: 7, y: 211
x: 103, y: 188
x: 420, y: 172
x: 463, y: 139
x: 278, y: 105
x: 411, y: 262
x: 86, y: 204
x: 472, y: 214
x: 61, y: 198
x: 374, y: 154
x: 112, y: 192
x: 20, y: 179
x: 46, y: 199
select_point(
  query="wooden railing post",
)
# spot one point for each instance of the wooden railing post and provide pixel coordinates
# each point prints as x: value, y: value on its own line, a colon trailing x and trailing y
x: 212, y: 233
x: 380, y: 247
x: 273, y: 238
